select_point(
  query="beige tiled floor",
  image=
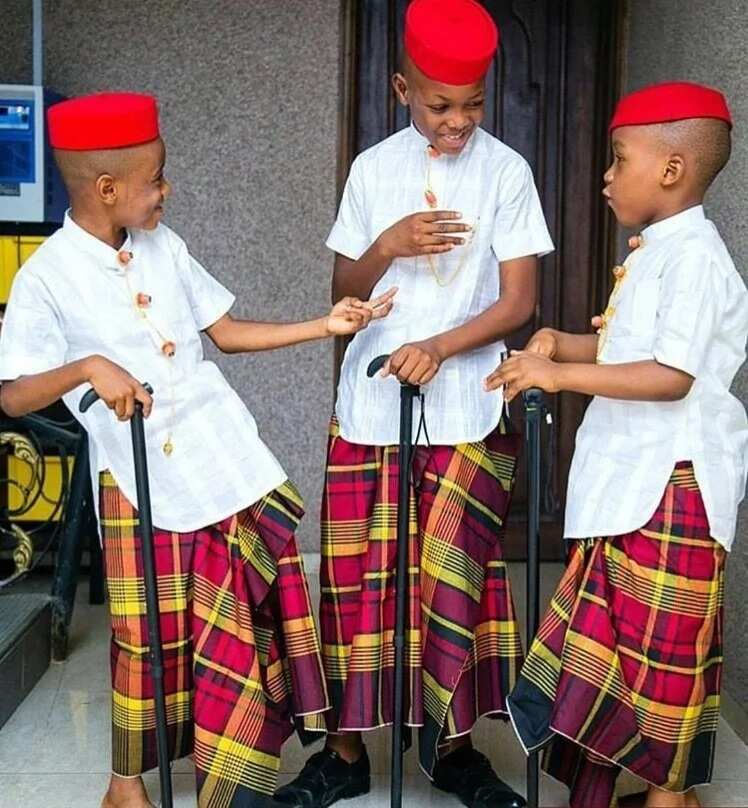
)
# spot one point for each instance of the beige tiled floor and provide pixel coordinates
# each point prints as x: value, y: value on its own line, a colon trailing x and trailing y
x: 54, y: 751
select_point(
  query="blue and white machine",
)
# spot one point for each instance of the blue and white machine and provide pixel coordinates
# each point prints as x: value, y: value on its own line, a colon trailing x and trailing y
x: 31, y: 189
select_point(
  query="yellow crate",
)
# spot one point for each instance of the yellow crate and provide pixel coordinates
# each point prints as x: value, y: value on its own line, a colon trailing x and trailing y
x: 20, y: 472
x: 14, y: 250
x: 29, y: 245
x: 8, y: 264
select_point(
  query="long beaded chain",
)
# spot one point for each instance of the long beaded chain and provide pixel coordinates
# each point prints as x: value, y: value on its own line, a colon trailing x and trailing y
x: 141, y: 302
x: 432, y: 153
x: 620, y: 273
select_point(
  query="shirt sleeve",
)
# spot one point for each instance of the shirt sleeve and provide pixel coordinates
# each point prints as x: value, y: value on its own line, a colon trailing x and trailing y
x: 519, y: 227
x: 687, y: 313
x: 32, y: 339
x: 350, y: 235
x: 209, y: 299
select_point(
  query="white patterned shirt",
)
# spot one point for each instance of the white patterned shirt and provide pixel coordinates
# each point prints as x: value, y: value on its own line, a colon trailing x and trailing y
x: 491, y: 185
x: 683, y: 304
x: 71, y: 300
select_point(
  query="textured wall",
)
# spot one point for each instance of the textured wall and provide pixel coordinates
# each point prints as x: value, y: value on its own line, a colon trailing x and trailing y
x: 249, y: 101
x: 685, y: 39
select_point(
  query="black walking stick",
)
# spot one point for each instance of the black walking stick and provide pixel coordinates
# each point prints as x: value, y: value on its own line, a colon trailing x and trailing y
x: 145, y: 526
x: 533, y: 399
x: 408, y: 392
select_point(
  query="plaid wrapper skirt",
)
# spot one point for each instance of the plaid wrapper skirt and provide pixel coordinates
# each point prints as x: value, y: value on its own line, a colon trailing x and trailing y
x: 462, y: 643
x: 625, y: 669
x: 241, y: 653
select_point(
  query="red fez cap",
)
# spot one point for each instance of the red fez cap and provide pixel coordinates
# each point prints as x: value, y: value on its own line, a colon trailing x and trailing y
x: 103, y: 121
x: 451, y: 41
x: 672, y: 101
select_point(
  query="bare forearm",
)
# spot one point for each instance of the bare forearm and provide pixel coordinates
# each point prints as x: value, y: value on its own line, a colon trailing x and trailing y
x: 632, y: 381
x: 240, y: 336
x: 575, y: 347
x: 30, y: 393
x: 496, y: 322
x: 358, y: 278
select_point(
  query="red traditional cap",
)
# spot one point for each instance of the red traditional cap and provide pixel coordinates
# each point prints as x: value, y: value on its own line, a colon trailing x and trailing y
x: 672, y: 101
x: 103, y: 121
x: 452, y: 41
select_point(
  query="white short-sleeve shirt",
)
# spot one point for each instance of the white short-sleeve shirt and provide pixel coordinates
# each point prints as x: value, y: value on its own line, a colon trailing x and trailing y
x: 71, y: 300
x: 683, y: 304
x: 491, y: 185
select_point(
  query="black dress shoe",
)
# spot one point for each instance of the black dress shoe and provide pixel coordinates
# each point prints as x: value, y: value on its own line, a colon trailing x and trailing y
x: 468, y: 775
x: 325, y: 779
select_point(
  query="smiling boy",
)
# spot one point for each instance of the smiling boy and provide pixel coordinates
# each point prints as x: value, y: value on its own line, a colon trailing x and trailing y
x: 111, y: 300
x: 450, y: 215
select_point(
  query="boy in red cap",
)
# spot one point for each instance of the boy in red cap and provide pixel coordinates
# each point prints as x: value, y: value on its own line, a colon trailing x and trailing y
x: 450, y: 215
x: 111, y: 300
x: 625, y: 671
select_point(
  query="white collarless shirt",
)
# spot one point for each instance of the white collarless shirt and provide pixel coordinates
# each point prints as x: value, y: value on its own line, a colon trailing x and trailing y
x: 71, y: 300
x: 492, y: 186
x: 683, y: 304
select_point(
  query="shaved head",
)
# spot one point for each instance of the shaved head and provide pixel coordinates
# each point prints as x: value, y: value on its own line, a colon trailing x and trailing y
x: 705, y: 143
x: 81, y: 169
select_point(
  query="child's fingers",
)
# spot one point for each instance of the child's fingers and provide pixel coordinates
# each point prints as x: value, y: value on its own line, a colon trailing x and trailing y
x: 144, y: 397
x: 120, y: 408
x: 432, y: 249
x: 385, y: 297
x: 436, y: 228
x: 382, y: 311
x: 407, y: 369
x: 437, y: 215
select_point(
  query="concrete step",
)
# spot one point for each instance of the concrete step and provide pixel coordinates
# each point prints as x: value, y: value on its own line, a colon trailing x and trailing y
x: 25, y: 647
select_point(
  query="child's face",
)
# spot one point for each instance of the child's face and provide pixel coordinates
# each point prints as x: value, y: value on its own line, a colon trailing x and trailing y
x: 142, y: 193
x: 444, y: 114
x: 633, y: 182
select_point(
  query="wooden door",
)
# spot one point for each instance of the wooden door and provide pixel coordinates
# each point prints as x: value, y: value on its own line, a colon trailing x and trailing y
x: 550, y: 94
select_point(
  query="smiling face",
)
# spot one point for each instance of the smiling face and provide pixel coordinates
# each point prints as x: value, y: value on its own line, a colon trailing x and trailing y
x: 144, y: 188
x: 446, y: 115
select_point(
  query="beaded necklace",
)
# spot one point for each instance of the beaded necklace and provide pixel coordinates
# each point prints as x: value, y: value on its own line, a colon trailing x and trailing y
x: 141, y: 302
x: 432, y: 153
x: 620, y: 273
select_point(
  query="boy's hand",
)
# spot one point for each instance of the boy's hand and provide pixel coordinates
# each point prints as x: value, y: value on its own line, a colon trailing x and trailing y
x: 522, y: 371
x: 414, y: 363
x: 117, y: 388
x: 350, y: 315
x: 543, y: 342
x: 424, y: 233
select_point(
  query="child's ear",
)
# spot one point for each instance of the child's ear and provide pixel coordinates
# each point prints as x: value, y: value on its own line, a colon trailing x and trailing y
x: 673, y: 170
x: 106, y: 189
x: 400, y: 86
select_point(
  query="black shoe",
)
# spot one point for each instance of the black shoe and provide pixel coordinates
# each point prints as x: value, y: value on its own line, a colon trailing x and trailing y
x: 468, y: 775
x: 325, y: 779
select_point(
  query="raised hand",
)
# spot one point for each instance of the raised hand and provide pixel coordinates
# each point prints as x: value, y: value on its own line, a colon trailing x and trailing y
x: 423, y: 233
x: 350, y: 315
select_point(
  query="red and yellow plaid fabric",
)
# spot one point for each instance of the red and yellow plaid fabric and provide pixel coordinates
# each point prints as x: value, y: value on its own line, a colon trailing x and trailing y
x: 241, y: 654
x: 625, y: 670
x: 462, y: 643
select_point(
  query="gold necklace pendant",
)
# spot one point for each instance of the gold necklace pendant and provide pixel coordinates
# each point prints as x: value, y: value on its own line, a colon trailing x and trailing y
x: 168, y: 447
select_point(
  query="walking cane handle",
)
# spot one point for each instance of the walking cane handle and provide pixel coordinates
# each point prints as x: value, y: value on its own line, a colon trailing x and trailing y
x: 533, y: 397
x: 90, y: 397
x: 376, y: 365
